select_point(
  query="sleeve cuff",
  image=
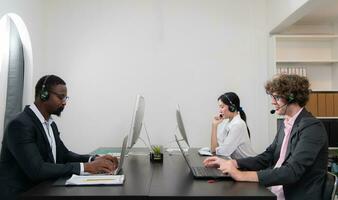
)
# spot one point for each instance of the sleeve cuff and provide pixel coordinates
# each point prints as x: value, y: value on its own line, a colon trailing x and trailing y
x: 81, y: 169
x: 92, y: 158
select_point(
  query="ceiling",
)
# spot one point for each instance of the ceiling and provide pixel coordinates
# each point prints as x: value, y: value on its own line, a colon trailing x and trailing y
x: 324, y: 14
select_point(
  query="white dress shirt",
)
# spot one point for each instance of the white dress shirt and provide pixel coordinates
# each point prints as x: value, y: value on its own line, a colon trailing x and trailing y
x: 48, y: 129
x: 233, y: 139
x: 49, y: 132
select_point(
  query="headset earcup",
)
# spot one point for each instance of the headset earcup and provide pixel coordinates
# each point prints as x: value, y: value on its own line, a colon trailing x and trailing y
x: 44, y: 95
x: 291, y: 98
x: 232, y: 108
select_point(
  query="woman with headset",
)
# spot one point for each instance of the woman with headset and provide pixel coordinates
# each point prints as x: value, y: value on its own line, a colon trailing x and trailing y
x: 230, y: 135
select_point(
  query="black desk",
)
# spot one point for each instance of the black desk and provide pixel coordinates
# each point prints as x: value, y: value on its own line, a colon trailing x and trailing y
x: 145, y: 180
x: 173, y: 179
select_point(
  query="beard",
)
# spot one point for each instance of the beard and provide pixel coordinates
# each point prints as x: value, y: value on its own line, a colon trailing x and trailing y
x: 58, y: 111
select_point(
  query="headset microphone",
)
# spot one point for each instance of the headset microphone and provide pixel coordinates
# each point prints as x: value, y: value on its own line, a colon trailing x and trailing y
x: 290, y: 99
x: 274, y: 110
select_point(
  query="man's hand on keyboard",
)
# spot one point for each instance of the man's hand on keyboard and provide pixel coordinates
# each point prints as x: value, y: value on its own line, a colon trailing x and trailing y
x: 113, y: 159
x: 101, y: 164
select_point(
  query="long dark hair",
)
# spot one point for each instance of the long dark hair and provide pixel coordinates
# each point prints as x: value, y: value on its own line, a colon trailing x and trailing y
x: 232, y: 100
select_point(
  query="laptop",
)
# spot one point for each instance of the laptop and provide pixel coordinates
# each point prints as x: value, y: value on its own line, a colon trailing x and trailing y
x: 118, y: 170
x: 200, y: 172
x: 62, y: 180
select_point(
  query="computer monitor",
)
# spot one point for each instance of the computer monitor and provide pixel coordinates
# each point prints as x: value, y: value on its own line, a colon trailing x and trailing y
x: 136, y: 122
x: 181, y: 125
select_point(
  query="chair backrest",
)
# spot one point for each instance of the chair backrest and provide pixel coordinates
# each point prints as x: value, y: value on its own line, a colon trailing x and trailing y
x: 330, y: 187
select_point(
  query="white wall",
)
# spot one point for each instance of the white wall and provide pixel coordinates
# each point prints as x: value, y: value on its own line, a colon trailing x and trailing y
x: 186, y: 52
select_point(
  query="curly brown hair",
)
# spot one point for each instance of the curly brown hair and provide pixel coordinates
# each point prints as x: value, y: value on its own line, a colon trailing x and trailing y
x: 291, y: 87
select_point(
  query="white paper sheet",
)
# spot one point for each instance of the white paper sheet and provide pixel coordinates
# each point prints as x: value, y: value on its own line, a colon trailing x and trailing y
x: 95, y: 180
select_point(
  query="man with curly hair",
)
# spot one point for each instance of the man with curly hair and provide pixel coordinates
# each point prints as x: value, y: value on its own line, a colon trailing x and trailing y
x: 294, y: 166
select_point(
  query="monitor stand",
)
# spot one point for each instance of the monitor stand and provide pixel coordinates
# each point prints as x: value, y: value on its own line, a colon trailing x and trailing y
x: 175, y: 149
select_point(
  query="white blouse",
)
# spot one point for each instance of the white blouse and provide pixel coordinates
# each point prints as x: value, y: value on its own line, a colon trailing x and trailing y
x: 233, y: 139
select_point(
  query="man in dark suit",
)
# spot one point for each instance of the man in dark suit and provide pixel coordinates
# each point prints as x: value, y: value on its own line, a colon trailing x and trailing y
x: 295, y: 164
x: 32, y: 150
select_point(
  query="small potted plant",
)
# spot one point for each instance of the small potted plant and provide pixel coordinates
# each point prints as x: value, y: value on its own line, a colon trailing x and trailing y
x: 156, y: 154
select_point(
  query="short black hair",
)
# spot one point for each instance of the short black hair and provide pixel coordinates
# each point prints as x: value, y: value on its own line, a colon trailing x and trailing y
x: 49, y: 81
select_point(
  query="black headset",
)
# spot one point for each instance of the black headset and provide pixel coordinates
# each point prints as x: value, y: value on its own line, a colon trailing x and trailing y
x: 290, y: 98
x: 44, y: 94
x: 232, y: 106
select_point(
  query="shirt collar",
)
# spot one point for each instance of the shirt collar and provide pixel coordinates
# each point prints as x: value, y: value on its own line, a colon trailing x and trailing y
x: 292, y: 120
x: 39, y: 115
x: 235, y: 119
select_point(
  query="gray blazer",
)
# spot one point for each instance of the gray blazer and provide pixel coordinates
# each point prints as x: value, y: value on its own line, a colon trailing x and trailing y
x: 26, y: 157
x: 303, y: 172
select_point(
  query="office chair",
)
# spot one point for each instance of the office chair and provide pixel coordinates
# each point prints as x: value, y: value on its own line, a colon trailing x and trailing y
x: 330, y: 187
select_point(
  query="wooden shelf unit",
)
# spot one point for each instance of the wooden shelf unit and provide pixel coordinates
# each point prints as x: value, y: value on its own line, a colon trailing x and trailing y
x: 315, y: 54
x: 323, y: 104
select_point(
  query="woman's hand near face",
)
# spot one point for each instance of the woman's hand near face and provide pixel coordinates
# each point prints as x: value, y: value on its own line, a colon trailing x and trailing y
x: 217, y: 120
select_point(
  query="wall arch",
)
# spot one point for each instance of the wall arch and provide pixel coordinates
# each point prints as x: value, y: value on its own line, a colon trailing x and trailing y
x: 11, y: 24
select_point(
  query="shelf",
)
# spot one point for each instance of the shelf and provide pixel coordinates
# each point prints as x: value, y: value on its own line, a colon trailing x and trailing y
x: 316, y: 49
x: 327, y: 117
x: 326, y: 91
x: 280, y: 117
x: 307, y: 61
x: 307, y: 37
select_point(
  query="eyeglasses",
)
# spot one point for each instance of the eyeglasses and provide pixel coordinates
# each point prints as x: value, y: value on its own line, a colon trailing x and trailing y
x: 62, y: 97
x: 275, y: 97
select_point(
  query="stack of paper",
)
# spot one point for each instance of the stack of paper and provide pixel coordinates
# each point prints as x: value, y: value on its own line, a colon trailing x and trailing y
x: 96, y: 180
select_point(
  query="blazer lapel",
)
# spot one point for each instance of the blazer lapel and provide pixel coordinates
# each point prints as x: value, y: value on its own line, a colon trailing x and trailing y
x: 293, y: 133
x: 42, y: 131
x: 294, y: 130
x: 57, y: 140
x: 280, y: 140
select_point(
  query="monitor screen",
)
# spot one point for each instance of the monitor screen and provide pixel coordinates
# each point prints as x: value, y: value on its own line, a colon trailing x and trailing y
x: 136, y: 122
x: 181, y: 125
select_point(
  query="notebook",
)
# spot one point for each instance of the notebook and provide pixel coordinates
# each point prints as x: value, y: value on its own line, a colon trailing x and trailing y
x: 200, y: 172
x: 95, y: 180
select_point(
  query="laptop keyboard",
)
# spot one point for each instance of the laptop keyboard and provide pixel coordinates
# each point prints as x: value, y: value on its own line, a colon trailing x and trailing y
x: 203, y: 171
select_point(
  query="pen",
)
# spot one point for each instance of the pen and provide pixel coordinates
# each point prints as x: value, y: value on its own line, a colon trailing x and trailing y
x: 100, y: 179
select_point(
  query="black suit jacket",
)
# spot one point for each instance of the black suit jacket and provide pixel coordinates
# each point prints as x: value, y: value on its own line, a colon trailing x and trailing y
x: 26, y: 157
x: 304, y: 170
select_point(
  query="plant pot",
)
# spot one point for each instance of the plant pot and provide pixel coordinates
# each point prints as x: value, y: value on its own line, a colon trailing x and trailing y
x: 156, y: 157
